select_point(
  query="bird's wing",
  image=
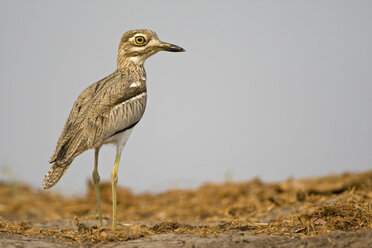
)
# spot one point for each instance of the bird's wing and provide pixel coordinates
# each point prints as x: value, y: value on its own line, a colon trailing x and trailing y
x: 115, y: 108
x: 91, y: 117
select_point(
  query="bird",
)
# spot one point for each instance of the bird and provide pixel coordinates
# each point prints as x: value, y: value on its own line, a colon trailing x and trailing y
x: 107, y: 111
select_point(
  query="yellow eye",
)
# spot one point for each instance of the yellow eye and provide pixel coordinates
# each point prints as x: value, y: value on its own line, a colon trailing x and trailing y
x: 140, y: 40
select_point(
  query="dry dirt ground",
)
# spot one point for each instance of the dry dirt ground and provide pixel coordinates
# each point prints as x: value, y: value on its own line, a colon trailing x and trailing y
x: 334, y: 211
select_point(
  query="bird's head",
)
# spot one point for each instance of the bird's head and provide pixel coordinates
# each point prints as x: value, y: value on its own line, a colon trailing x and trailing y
x: 137, y: 45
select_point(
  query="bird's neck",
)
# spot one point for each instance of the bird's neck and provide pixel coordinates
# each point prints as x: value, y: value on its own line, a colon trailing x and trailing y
x: 124, y: 61
x: 132, y: 68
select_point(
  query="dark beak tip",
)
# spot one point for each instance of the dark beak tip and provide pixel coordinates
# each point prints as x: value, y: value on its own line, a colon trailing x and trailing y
x: 175, y: 48
x: 181, y: 50
x: 171, y: 47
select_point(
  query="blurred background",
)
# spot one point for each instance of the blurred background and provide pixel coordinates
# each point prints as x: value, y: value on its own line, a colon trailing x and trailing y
x: 269, y: 89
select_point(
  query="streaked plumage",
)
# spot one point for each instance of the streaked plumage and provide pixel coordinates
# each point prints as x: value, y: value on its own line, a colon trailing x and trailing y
x: 102, y: 110
x: 107, y: 110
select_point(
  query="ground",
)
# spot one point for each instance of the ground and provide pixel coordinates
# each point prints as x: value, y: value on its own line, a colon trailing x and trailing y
x: 333, y: 211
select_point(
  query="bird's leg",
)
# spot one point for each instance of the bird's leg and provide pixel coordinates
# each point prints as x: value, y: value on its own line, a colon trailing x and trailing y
x: 96, y: 179
x: 114, y: 180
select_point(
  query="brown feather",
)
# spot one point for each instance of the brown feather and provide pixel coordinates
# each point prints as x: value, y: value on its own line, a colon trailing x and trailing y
x: 108, y: 106
x: 100, y: 111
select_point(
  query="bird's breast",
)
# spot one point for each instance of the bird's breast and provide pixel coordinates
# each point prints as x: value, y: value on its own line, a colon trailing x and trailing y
x: 125, y: 116
x: 129, y: 111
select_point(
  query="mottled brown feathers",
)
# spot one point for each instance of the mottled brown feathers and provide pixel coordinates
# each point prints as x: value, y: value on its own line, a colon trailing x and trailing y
x: 109, y: 106
x: 54, y: 174
x: 91, y: 119
x: 128, y: 50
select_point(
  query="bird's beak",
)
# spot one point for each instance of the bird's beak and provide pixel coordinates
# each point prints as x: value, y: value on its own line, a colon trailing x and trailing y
x: 170, y: 47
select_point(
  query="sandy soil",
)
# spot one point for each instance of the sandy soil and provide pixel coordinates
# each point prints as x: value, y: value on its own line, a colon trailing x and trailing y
x: 334, y: 211
x: 342, y: 239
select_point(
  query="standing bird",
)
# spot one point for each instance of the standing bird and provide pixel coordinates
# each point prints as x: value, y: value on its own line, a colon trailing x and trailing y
x: 107, y: 111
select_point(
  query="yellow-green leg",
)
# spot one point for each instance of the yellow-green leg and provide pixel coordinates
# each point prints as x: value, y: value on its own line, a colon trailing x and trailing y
x: 114, y: 180
x: 96, y: 179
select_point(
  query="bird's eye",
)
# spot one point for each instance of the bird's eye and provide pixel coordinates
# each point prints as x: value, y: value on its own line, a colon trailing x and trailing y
x: 140, y: 40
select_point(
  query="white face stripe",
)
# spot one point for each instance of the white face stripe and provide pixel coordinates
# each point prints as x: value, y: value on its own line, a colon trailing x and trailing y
x: 133, y: 85
x: 139, y: 60
x: 138, y: 34
x: 153, y: 42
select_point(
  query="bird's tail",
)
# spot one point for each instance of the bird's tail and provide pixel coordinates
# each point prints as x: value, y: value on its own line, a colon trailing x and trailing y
x: 54, y: 174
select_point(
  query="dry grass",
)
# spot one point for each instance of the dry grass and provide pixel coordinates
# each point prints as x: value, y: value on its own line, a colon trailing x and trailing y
x: 295, y: 207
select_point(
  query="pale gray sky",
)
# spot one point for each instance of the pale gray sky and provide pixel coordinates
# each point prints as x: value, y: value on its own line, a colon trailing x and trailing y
x: 272, y: 89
